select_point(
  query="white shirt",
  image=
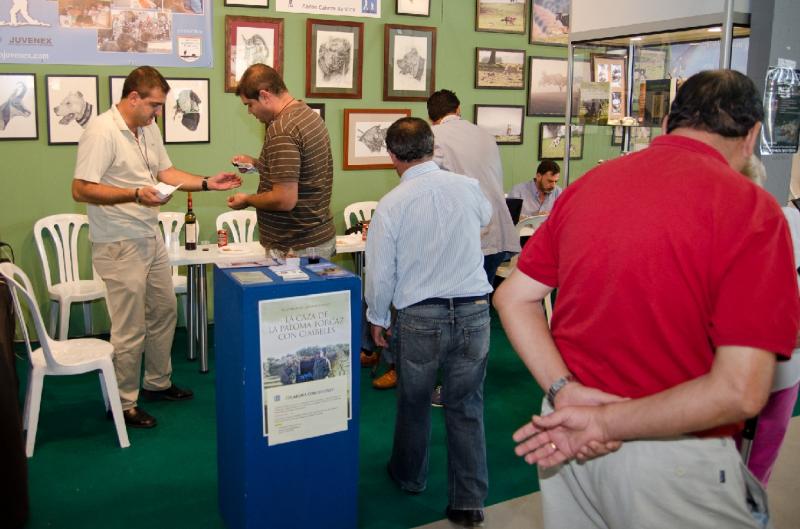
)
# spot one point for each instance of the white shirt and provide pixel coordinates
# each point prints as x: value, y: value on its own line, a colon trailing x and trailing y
x: 109, y: 153
x: 787, y: 373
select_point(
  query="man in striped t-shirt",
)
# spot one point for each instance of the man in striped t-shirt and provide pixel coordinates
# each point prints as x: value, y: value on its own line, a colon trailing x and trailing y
x: 295, y: 168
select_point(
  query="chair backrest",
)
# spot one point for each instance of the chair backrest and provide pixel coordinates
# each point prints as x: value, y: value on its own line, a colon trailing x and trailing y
x: 361, y: 210
x: 63, y: 230
x: 20, y: 287
x: 171, y: 223
x: 241, y: 224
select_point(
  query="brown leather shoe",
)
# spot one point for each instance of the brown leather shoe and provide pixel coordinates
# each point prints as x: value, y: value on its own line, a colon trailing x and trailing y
x: 369, y: 359
x: 387, y: 380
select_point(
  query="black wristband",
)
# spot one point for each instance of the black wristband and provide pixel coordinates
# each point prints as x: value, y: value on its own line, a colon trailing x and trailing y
x: 136, y: 196
x: 205, y: 184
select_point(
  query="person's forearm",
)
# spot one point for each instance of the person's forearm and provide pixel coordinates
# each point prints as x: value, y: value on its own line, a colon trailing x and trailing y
x: 188, y: 181
x: 271, y: 201
x: 101, y: 194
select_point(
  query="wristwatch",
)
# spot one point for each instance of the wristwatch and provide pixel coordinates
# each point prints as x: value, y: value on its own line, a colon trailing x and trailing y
x: 557, y: 386
x: 205, y: 184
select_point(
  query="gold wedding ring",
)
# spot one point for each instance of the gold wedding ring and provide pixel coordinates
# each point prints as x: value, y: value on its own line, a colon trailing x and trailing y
x: 553, y: 446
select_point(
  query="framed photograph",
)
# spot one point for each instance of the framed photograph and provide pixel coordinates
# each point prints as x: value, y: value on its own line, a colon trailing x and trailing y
x: 365, y: 135
x: 251, y: 40
x: 611, y: 69
x: 247, y: 3
x: 547, y: 85
x: 319, y: 108
x: 504, y: 122
x: 115, y: 84
x: 550, y: 22
x: 501, y: 16
x: 334, y: 58
x: 71, y: 105
x: 18, y: 116
x: 409, y: 58
x: 551, y: 141
x: 498, y: 68
x: 420, y: 8
x: 187, y: 111
x: 617, y: 135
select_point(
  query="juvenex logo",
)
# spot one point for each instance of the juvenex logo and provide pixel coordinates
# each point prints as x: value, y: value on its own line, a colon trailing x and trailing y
x: 31, y: 41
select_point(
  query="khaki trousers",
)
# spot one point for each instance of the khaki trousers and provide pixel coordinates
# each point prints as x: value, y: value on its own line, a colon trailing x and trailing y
x: 142, y: 306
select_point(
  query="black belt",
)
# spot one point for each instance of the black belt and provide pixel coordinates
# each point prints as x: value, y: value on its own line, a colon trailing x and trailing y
x: 454, y: 301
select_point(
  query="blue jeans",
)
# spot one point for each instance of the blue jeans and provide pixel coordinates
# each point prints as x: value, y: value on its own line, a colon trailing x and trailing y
x: 457, y: 340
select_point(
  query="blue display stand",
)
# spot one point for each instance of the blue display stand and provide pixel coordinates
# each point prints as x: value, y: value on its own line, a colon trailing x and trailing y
x: 302, y: 484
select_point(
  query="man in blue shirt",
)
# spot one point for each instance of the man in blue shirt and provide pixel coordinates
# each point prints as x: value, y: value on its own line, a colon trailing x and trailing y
x: 424, y: 255
x: 539, y: 195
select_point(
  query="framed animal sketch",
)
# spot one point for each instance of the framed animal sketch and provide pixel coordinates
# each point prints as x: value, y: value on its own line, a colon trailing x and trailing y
x: 71, y: 105
x: 419, y: 8
x: 18, y: 116
x: 550, y: 22
x: 319, y: 108
x: 497, y: 68
x: 251, y: 40
x: 504, y: 122
x: 247, y: 3
x: 115, y: 84
x: 187, y: 112
x: 409, y: 58
x: 501, y: 16
x: 365, y: 137
x: 552, y: 144
x: 334, y: 58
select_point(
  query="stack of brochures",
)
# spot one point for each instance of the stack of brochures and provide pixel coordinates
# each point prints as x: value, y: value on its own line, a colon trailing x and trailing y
x: 250, y: 278
x: 327, y: 270
x: 292, y: 274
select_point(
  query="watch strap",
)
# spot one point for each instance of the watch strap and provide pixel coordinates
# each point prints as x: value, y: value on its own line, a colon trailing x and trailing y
x: 557, y: 386
x: 205, y: 184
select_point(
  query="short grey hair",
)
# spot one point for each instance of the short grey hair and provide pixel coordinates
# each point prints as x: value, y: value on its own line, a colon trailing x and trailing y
x: 755, y: 171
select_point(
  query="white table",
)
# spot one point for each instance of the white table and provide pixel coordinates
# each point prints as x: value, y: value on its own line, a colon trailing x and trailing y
x: 196, y: 285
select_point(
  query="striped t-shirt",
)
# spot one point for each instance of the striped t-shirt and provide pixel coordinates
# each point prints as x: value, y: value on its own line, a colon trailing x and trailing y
x: 297, y: 149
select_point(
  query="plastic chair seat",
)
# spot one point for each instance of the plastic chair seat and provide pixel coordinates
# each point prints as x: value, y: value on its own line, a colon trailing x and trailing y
x: 75, y: 356
x: 76, y: 291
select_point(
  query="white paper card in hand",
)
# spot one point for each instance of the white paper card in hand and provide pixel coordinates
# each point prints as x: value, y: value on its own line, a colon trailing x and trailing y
x: 164, y: 190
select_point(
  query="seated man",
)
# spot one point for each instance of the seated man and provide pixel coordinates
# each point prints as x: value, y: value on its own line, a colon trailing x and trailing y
x: 539, y: 195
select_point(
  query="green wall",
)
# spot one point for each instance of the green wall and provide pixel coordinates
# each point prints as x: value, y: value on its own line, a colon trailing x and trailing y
x: 37, y: 177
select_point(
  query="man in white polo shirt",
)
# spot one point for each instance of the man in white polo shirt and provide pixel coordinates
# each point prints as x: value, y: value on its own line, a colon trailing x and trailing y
x: 121, y: 157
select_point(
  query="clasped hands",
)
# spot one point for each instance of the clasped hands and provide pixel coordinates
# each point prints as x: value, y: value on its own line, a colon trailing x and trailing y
x: 576, y: 430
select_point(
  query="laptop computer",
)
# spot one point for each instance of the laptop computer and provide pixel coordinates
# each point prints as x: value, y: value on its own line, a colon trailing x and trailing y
x: 514, y: 207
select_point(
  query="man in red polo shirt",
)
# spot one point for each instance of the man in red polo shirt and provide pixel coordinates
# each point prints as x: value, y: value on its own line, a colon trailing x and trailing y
x: 670, y: 314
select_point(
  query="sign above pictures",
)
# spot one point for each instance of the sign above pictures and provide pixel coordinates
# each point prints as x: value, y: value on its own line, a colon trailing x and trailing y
x: 107, y: 32
x: 336, y: 8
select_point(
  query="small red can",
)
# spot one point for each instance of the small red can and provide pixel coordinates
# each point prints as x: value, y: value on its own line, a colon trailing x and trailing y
x: 222, y: 238
x: 364, y: 230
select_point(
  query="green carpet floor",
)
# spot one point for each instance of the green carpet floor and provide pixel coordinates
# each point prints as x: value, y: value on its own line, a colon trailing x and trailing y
x: 80, y: 478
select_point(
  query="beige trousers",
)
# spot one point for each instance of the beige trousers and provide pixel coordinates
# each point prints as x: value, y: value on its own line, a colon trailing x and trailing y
x: 142, y: 306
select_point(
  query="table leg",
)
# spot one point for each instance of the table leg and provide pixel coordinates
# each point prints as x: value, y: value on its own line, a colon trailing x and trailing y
x: 360, y: 269
x: 191, y: 305
x: 202, y: 320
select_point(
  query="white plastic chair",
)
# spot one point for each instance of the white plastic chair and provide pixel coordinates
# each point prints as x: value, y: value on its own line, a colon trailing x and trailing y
x: 361, y: 210
x: 67, y: 287
x: 505, y: 269
x: 171, y: 223
x: 59, y: 357
x: 241, y: 224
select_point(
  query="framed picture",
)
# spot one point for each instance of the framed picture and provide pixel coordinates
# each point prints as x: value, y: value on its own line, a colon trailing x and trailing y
x: 247, y: 3
x: 319, y: 108
x: 334, y: 58
x: 115, y: 84
x: 365, y: 135
x: 547, y: 85
x: 501, y: 16
x: 640, y: 138
x: 409, y: 58
x: 551, y: 141
x: 71, y: 105
x: 617, y: 135
x: 18, y: 116
x: 187, y: 112
x: 420, y: 8
x: 251, y: 40
x: 504, y: 122
x: 611, y: 69
x: 550, y: 22
x: 498, y: 68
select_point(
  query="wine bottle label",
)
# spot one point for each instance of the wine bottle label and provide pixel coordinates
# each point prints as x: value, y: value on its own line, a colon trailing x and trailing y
x: 191, y: 233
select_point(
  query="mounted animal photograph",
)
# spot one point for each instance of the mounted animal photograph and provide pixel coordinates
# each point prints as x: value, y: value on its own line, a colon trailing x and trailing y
x: 499, y: 68
x: 18, y: 117
x: 71, y: 104
x: 547, y: 85
x: 501, y: 16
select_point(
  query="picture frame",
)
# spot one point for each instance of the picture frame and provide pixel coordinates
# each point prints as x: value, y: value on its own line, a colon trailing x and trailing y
x: 612, y: 69
x: 617, y: 135
x: 19, y: 117
x: 504, y: 122
x: 498, y: 68
x: 409, y: 58
x: 551, y: 141
x: 250, y: 40
x: 187, y: 111
x: 550, y: 22
x: 115, y: 84
x: 246, y: 3
x: 319, y: 108
x: 71, y: 104
x: 364, y: 134
x: 501, y: 16
x: 334, y: 58
x: 547, y: 83
x: 417, y: 8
